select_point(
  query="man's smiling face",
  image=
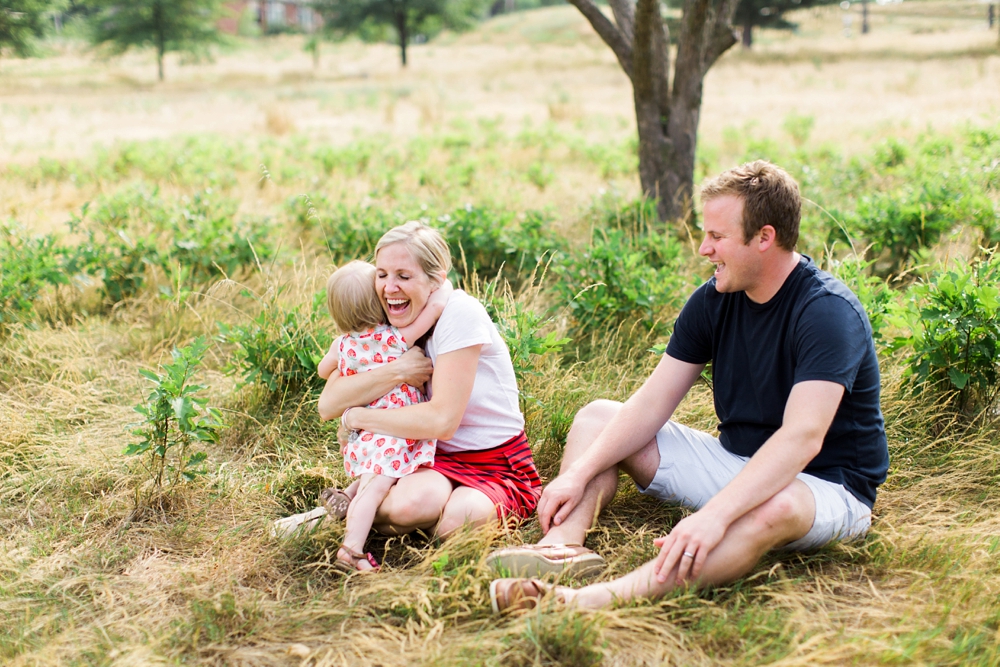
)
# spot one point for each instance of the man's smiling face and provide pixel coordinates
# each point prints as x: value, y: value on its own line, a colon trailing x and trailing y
x: 737, y: 264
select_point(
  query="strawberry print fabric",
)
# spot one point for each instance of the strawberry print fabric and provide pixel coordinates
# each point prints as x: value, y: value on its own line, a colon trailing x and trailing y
x: 368, y: 452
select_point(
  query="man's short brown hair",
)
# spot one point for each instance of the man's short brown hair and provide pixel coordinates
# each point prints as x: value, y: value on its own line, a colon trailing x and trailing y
x: 770, y: 197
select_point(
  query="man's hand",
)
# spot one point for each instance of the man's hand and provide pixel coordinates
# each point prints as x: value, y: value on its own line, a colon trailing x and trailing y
x: 413, y: 367
x: 559, y: 499
x: 687, y: 546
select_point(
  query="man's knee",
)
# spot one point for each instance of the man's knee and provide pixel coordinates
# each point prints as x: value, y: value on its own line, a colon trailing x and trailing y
x: 596, y: 413
x: 786, y: 516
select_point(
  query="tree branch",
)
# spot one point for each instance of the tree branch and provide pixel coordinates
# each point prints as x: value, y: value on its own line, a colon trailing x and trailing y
x: 611, y: 35
x: 723, y: 36
x: 688, y: 72
x: 624, y: 12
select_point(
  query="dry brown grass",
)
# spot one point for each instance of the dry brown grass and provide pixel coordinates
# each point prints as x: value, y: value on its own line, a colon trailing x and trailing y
x: 89, y: 577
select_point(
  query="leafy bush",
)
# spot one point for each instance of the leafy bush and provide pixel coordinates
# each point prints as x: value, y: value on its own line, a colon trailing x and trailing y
x: 281, y: 348
x: 954, y: 325
x: 898, y: 223
x: 27, y: 265
x: 127, y: 233
x: 175, y: 418
x: 621, y: 277
x: 208, y: 238
x: 521, y: 328
x: 352, y: 234
x: 489, y: 242
x: 119, y: 259
x: 874, y: 294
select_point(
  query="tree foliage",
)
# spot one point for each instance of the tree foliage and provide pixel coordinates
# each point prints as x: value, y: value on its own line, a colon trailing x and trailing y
x: 20, y: 22
x: 769, y: 14
x: 404, y: 20
x: 166, y: 25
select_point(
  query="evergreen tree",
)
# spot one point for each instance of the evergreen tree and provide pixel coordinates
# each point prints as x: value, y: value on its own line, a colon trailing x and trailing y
x: 406, y: 18
x: 769, y: 14
x: 166, y: 25
x: 20, y: 22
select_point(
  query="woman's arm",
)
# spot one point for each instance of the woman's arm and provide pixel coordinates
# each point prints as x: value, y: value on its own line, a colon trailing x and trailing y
x: 353, y: 391
x: 454, y: 376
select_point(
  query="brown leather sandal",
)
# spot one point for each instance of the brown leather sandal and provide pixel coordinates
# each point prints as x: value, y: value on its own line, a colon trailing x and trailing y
x: 508, y: 595
x: 356, y: 559
x: 335, y: 501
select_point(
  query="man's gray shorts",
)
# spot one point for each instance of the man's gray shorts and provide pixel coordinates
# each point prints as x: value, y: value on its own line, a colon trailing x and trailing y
x: 694, y: 466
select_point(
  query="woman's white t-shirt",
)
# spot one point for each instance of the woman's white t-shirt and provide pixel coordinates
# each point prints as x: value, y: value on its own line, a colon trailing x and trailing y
x: 493, y: 415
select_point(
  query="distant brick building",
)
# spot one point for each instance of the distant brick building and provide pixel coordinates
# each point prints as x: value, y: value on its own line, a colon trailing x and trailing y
x: 272, y: 15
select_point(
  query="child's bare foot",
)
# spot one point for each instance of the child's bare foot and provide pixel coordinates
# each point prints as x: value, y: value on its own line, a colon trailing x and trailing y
x: 352, y: 561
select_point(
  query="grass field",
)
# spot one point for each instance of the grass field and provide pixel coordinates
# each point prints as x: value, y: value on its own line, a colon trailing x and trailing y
x: 516, y: 138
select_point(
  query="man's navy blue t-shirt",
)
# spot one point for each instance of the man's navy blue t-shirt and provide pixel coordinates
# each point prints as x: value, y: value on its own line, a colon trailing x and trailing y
x: 814, y: 328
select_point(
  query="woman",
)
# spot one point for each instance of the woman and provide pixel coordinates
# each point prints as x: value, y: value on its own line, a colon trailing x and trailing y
x: 483, y: 467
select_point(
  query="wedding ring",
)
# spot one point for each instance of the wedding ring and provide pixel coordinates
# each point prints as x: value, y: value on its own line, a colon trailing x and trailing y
x: 689, y: 554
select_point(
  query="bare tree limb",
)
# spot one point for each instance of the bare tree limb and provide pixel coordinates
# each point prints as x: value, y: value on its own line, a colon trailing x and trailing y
x: 661, y: 66
x: 690, y: 49
x: 624, y: 12
x: 723, y: 36
x: 611, y: 35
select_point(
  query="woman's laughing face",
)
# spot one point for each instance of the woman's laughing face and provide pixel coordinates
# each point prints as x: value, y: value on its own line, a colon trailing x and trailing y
x: 402, y: 286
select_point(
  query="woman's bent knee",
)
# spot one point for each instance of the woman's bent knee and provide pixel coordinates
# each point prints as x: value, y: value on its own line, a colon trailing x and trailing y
x: 416, y: 501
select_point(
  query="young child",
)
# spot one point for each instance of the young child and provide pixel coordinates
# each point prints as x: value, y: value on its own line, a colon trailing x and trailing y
x: 367, y: 342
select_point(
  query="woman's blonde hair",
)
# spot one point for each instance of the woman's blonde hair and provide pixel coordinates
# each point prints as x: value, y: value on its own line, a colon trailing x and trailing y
x: 425, y: 244
x: 352, y: 299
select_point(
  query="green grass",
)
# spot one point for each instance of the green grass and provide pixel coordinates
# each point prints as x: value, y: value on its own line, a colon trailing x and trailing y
x: 89, y: 577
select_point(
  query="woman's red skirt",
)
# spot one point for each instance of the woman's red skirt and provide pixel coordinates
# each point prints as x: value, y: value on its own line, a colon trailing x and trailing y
x: 506, y: 474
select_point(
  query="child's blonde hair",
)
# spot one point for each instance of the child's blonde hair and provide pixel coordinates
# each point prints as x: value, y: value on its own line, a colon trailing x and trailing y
x: 352, y: 299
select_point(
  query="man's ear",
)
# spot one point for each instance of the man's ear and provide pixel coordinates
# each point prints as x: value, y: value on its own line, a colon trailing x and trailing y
x: 766, y: 237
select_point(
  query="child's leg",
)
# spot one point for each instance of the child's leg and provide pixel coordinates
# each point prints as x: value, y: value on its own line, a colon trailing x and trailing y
x: 372, y: 490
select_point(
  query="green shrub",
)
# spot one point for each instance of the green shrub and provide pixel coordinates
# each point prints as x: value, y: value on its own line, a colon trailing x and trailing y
x: 621, y: 277
x: 208, y: 238
x: 110, y: 253
x: 522, y: 330
x: 898, y: 223
x: 953, y: 321
x: 281, y: 348
x: 27, y: 265
x: 127, y: 233
x: 352, y: 234
x: 175, y: 418
x: 490, y: 243
x: 874, y: 294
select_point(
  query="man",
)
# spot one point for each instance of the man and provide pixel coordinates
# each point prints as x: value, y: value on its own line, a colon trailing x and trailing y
x: 801, y: 446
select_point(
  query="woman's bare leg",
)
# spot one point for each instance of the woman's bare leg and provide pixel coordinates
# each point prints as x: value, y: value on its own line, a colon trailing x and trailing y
x: 371, y: 491
x: 416, y: 502
x: 465, y: 506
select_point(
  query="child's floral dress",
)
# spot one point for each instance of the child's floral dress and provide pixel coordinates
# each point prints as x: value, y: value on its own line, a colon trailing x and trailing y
x: 368, y: 452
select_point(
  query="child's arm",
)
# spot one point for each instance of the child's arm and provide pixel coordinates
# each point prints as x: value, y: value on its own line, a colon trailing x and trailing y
x: 429, y: 315
x: 329, y: 362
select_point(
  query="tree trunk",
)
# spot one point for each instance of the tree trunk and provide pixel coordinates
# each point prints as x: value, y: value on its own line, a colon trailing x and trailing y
x: 747, y: 35
x: 666, y: 117
x: 864, y: 17
x: 161, y: 40
x: 401, y: 29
